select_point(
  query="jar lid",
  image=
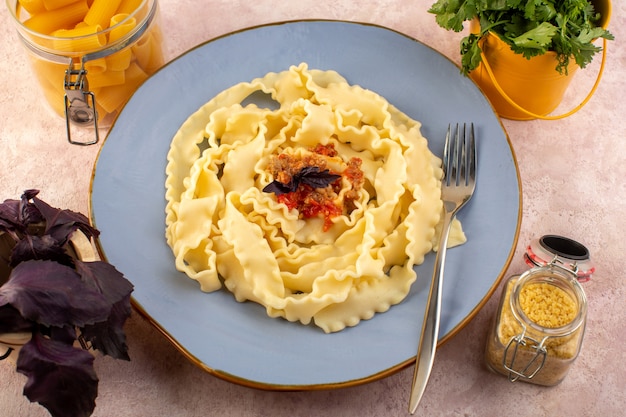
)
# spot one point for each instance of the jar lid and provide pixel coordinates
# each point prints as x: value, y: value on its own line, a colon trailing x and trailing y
x: 550, y: 249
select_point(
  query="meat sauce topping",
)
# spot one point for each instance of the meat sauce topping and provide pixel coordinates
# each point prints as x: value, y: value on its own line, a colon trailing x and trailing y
x: 305, y: 183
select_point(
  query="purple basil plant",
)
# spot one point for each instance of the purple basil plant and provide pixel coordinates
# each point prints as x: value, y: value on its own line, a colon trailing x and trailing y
x: 62, y: 301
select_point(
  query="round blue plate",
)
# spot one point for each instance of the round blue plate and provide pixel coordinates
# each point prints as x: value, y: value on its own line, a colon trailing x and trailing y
x: 237, y: 341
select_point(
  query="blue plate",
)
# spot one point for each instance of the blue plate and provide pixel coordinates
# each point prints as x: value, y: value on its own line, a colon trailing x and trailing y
x: 237, y: 341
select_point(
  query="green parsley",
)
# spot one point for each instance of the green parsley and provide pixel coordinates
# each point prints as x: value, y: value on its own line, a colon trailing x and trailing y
x: 529, y: 27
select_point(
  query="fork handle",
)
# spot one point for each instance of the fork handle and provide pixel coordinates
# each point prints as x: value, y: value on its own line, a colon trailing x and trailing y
x: 430, y: 327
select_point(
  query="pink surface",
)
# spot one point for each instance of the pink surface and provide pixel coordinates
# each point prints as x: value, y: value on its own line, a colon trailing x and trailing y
x: 572, y: 173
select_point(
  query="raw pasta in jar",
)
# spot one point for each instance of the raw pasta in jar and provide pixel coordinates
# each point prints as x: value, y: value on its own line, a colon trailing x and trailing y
x: 119, y: 43
x: 318, y: 209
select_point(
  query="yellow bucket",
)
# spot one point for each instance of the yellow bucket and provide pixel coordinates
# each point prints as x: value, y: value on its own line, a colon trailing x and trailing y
x: 525, y: 89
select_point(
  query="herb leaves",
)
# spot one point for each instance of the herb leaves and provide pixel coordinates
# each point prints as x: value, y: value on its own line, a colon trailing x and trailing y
x: 529, y: 27
x: 58, y: 299
x: 309, y: 175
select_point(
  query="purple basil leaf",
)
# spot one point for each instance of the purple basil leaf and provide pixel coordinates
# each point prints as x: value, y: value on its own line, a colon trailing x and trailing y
x: 60, y: 377
x: 102, y: 277
x: 53, y: 295
x: 29, y: 213
x: 10, y: 218
x: 39, y: 248
x: 317, y: 179
x: 9, y: 215
x: 61, y: 223
x: 279, y: 188
x: 65, y: 334
x: 18, y: 214
x: 9, y: 211
x: 29, y: 194
x: 309, y: 175
x: 11, y: 321
x: 108, y: 337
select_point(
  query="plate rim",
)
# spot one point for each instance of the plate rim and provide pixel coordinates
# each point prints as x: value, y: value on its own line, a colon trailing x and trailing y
x: 329, y: 385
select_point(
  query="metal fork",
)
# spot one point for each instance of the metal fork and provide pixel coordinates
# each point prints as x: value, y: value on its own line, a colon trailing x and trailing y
x: 457, y: 187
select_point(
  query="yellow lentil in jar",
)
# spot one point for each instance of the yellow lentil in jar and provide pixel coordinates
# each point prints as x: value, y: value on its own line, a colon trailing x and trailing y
x: 547, y: 305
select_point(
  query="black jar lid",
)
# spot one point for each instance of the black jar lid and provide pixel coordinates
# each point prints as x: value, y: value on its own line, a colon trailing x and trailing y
x: 562, y: 250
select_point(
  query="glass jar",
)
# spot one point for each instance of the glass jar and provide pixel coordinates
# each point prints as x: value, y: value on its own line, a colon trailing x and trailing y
x: 540, y: 323
x: 89, y: 56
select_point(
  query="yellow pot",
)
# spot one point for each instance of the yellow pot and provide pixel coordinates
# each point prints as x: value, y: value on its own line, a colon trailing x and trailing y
x: 524, y: 89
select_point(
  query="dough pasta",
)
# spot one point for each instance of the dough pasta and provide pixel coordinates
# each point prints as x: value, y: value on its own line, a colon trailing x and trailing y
x: 375, y: 186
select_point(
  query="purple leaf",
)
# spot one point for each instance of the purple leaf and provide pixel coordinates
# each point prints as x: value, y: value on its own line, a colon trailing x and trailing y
x: 60, y: 224
x: 108, y: 337
x: 11, y: 321
x: 39, y: 248
x: 65, y: 334
x: 102, y: 277
x: 29, y: 213
x: 53, y: 295
x: 279, y: 188
x: 317, y: 179
x: 29, y: 195
x: 10, y: 219
x: 309, y: 175
x: 18, y: 214
x: 9, y: 215
x: 60, y: 377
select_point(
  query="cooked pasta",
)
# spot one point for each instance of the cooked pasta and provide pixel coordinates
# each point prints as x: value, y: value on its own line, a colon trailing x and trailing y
x: 317, y: 210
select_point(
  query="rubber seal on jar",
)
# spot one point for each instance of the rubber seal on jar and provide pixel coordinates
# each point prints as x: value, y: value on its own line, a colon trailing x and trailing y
x: 565, y: 251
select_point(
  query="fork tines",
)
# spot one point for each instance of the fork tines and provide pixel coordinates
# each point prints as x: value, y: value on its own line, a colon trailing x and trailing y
x: 459, y: 142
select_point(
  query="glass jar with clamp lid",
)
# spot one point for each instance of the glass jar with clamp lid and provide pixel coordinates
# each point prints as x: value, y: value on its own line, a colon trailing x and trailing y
x: 89, y: 56
x: 540, y: 323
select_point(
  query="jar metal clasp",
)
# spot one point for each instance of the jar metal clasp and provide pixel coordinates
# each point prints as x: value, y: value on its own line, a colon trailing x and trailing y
x: 534, y: 365
x: 80, y: 103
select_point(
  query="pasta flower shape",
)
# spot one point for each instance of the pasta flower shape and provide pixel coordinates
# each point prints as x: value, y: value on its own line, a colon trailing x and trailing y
x: 230, y: 223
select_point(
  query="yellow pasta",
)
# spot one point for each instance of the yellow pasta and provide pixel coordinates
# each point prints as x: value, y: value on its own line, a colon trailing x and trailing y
x: 112, y: 98
x: 128, y: 6
x: 62, y: 18
x: 80, y: 39
x: 51, y: 72
x: 96, y: 66
x: 33, y: 6
x: 147, y: 53
x: 79, y: 27
x: 225, y: 225
x: 106, y: 79
x: 120, y: 60
x: 121, y: 25
x: 101, y: 11
x: 50, y: 76
x: 57, y: 4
